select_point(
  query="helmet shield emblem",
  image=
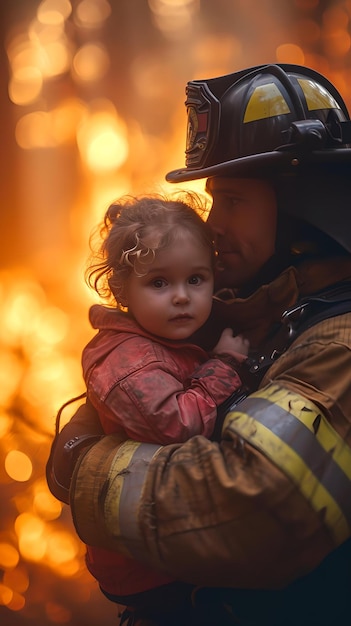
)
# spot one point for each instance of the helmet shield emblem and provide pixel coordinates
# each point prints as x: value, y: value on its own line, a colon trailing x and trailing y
x: 203, y: 122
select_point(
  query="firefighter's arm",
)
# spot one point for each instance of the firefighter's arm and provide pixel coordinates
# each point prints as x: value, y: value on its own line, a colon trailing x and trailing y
x: 82, y: 431
x: 258, y: 510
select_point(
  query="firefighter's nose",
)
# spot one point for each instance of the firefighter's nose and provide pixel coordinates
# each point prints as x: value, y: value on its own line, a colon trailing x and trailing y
x: 219, y: 219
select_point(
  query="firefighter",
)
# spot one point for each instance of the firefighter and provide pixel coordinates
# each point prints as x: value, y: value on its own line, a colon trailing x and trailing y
x: 256, y: 525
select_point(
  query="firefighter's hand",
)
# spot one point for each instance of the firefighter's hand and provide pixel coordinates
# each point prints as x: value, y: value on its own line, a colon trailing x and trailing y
x: 81, y: 432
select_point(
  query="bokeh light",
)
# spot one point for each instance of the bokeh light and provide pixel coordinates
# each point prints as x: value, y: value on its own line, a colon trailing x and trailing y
x: 18, y: 465
x: 92, y: 13
x: 102, y: 138
x: 91, y: 62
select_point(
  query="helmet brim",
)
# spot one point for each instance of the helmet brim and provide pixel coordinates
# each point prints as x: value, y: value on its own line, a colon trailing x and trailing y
x: 264, y: 165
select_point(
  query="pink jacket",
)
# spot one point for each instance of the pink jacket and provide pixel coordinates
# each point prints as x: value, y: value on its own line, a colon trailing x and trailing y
x: 155, y: 391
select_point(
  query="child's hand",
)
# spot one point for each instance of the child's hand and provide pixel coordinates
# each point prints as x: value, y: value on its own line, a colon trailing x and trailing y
x: 237, y: 346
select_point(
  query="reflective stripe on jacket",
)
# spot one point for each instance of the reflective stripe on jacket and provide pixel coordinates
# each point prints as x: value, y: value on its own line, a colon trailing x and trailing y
x: 295, y: 435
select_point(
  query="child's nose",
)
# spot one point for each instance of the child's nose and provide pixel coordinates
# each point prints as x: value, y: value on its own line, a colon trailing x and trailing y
x: 180, y: 295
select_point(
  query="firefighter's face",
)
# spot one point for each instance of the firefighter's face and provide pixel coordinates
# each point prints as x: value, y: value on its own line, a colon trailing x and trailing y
x: 243, y: 218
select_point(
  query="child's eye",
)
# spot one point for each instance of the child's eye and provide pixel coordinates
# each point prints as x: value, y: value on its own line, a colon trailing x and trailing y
x: 195, y: 280
x: 158, y: 283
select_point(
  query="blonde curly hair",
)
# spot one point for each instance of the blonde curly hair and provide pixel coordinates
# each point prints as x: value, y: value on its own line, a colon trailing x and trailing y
x: 133, y: 230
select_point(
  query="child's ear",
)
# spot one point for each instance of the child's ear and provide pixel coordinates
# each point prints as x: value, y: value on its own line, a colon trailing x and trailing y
x: 123, y: 301
x: 122, y: 298
x: 118, y: 291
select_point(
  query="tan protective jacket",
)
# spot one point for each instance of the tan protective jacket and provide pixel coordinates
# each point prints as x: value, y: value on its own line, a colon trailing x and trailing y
x: 268, y: 503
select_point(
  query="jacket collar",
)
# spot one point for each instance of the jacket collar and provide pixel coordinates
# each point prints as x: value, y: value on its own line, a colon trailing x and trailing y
x: 257, y: 314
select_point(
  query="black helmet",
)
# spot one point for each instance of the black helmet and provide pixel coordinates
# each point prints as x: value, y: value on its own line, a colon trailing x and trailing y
x: 268, y: 117
x: 279, y: 121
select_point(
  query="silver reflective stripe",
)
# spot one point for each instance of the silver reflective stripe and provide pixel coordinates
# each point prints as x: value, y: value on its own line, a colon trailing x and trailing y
x: 125, y: 483
x: 293, y: 433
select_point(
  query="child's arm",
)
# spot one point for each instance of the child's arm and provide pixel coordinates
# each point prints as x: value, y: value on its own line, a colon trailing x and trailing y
x: 156, y: 406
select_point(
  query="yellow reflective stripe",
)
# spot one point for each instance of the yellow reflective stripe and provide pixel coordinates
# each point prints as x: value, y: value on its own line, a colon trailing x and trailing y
x: 125, y: 483
x: 317, y: 97
x: 115, y: 480
x: 341, y: 452
x: 265, y: 101
x: 310, y: 415
x: 293, y: 433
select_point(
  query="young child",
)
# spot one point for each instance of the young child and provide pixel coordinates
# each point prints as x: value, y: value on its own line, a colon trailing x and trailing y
x: 143, y: 374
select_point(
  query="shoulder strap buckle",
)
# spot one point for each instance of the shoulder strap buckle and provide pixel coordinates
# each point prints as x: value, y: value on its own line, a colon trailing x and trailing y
x: 293, y: 317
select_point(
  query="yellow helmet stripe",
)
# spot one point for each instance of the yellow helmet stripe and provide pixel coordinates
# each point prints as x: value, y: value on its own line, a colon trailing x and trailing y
x: 265, y: 101
x: 317, y: 97
x: 268, y: 101
x: 293, y: 433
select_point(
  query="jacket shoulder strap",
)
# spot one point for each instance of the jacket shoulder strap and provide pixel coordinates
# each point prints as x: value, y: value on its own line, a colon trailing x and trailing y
x: 304, y: 314
x: 316, y: 308
x: 307, y: 312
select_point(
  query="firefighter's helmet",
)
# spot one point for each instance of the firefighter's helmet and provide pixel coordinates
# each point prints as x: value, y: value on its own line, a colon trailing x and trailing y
x: 285, y: 122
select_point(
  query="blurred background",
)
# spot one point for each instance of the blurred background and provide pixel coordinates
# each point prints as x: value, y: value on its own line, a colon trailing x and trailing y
x: 92, y: 107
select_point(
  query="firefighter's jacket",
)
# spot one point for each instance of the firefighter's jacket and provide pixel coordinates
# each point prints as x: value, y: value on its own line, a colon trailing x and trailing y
x: 151, y: 390
x: 273, y: 499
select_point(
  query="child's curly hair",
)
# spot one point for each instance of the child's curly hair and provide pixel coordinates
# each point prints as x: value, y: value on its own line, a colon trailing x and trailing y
x: 133, y: 230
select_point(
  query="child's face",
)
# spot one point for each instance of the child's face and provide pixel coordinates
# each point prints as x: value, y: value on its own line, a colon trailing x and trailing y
x: 174, y: 298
